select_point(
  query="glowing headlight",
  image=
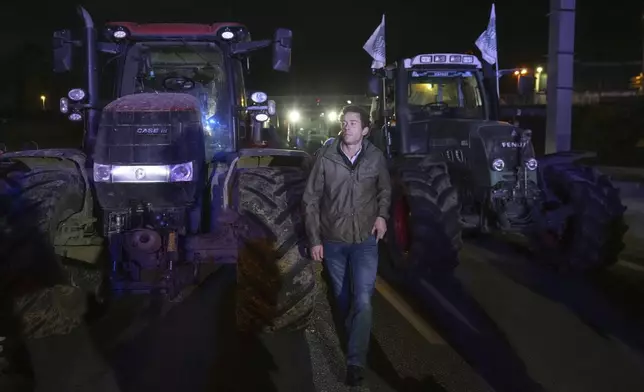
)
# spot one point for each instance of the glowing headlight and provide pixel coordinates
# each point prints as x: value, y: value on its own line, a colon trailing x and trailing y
x: 261, y: 117
x: 294, y: 116
x: 259, y: 97
x: 182, y: 172
x: 75, y: 117
x: 332, y: 116
x: 64, y: 105
x: 271, y: 107
x: 120, y: 34
x: 498, y: 164
x: 227, y: 35
x: 76, y: 94
x: 531, y: 164
x: 102, y: 173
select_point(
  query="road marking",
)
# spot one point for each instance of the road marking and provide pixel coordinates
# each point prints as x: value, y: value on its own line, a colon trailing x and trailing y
x: 630, y: 265
x: 408, y: 313
x: 447, y: 305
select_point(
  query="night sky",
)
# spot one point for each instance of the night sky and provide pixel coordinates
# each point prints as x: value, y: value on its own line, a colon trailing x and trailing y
x: 328, y: 35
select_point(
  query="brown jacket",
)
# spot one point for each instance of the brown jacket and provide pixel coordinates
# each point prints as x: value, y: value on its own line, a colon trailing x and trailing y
x: 343, y: 200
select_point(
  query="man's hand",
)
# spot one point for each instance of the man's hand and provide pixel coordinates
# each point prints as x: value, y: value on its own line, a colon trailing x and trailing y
x: 317, y: 252
x: 379, y: 228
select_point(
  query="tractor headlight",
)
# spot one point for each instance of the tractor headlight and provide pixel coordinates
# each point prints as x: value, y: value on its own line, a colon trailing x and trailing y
x: 76, y: 94
x: 258, y: 97
x: 182, y: 172
x: 531, y: 164
x: 120, y: 33
x: 271, y: 107
x: 227, y: 35
x: 64, y: 105
x: 498, y: 164
x: 75, y: 116
x: 102, y: 173
x: 261, y: 117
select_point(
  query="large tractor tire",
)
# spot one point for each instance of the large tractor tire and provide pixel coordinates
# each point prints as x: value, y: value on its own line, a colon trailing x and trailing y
x: 591, y: 238
x: 33, y: 202
x: 425, y: 228
x: 47, y: 336
x: 276, y: 279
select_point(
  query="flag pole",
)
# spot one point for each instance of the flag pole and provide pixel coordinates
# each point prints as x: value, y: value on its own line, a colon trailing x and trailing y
x: 498, y: 91
x: 496, y: 38
x: 384, y: 80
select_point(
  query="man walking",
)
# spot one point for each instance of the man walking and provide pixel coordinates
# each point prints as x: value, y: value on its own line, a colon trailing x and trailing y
x: 346, y: 204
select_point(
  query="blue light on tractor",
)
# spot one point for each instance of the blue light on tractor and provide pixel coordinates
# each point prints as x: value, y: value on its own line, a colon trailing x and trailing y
x: 210, y: 123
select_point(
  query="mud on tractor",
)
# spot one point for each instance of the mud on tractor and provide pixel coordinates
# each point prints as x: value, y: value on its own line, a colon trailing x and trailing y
x: 457, y: 167
x: 174, y: 177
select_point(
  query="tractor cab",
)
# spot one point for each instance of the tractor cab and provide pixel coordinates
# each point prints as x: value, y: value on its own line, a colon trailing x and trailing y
x: 423, y: 95
x: 206, y: 61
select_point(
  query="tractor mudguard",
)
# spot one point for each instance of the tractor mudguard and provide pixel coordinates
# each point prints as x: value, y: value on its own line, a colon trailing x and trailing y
x: 264, y: 152
x: 258, y: 157
x: 60, y: 159
x: 566, y: 158
x: 582, y: 225
x: 571, y: 161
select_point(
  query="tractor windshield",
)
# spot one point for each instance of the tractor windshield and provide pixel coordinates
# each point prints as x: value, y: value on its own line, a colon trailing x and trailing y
x: 452, y: 94
x: 192, y: 68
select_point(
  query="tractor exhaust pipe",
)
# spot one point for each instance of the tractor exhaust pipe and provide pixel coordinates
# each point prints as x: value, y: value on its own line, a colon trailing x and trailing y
x: 92, y: 78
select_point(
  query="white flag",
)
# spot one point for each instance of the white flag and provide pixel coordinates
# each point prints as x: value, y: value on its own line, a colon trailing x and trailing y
x: 375, y: 46
x: 487, y: 40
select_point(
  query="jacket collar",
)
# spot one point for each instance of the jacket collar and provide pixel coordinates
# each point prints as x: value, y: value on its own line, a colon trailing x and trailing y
x: 334, y: 153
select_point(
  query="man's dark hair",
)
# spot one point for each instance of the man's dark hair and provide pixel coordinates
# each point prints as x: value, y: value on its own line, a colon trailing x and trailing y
x: 364, y: 115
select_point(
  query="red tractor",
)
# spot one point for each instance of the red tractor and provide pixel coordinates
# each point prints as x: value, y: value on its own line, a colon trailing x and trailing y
x: 170, y: 181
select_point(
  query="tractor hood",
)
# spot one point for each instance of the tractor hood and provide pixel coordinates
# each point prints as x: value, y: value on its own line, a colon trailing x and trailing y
x: 430, y: 134
x: 149, y: 148
x: 496, y: 137
x: 150, y: 128
x: 504, y: 141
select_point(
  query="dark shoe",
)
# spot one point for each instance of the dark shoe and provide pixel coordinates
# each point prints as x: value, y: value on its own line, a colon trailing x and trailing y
x: 354, y: 376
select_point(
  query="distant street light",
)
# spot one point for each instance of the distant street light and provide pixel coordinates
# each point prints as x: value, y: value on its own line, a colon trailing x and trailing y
x: 537, y: 85
x: 43, y: 99
x: 518, y: 74
x: 294, y: 116
x: 349, y: 102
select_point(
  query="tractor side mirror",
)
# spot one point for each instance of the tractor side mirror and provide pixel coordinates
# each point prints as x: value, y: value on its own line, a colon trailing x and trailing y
x: 282, y: 50
x: 62, y: 45
x: 374, y: 86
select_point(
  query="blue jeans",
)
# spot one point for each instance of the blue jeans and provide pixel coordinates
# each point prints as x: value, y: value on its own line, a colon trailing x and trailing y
x: 353, y: 291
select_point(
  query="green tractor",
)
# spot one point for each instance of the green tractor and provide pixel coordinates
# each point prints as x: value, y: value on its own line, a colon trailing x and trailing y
x: 175, y: 176
x: 456, y: 167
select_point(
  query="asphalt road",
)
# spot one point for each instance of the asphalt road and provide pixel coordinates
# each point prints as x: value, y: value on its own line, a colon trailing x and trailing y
x: 192, y: 346
x: 502, y: 322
